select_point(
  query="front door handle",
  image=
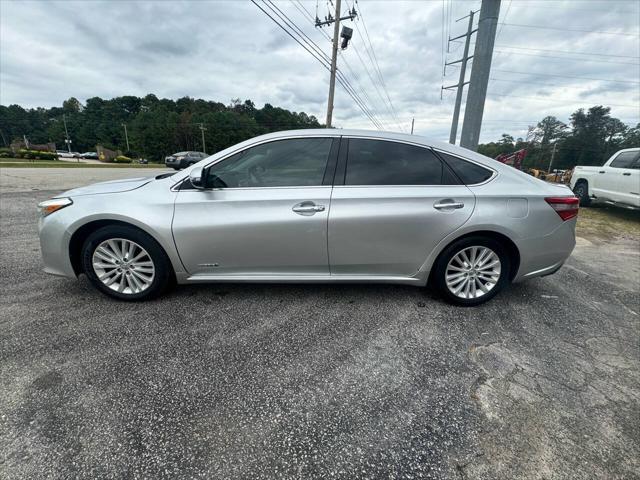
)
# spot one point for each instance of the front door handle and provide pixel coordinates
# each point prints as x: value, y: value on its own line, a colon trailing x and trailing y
x: 307, y: 208
x: 601, y: 171
x: 627, y: 174
x: 444, y: 204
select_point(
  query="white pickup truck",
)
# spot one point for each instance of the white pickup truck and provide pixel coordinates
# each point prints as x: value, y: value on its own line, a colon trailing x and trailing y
x: 617, y: 181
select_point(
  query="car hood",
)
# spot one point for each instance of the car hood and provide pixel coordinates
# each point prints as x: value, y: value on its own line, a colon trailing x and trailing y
x: 112, y: 186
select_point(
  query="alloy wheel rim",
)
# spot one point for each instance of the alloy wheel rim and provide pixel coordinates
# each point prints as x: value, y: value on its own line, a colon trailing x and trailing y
x: 123, y: 266
x: 473, y: 272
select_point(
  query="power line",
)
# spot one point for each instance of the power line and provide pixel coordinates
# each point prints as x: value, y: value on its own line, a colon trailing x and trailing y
x: 565, y: 101
x: 564, y: 29
x: 377, y: 65
x: 567, y: 51
x: 345, y: 82
x: 504, y: 19
x: 338, y: 71
x: 545, y: 84
x: 566, y: 58
x: 566, y: 76
x: 319, y: 58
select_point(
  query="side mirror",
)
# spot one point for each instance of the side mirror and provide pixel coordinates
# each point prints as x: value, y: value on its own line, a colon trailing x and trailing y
x: 196, y: 177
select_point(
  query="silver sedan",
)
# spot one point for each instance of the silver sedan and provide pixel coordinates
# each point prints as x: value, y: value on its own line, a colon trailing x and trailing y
x: 316, y: 206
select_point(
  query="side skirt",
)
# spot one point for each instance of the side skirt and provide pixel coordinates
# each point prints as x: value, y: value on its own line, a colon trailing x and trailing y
x: 303, y: 279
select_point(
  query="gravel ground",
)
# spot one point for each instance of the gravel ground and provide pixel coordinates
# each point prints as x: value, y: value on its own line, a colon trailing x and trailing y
x: 313, y: 381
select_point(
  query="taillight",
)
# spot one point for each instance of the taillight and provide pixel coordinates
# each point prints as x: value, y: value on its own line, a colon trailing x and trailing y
x: 566, y: 207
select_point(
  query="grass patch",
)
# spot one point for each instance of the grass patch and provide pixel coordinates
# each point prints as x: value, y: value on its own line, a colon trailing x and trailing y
x: 606, y: 222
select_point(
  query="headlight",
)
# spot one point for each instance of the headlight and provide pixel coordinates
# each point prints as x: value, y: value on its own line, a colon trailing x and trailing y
x: 49, y: 206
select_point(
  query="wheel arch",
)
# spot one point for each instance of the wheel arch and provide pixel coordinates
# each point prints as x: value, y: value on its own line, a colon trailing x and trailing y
x: 510, y: 246
x: 82, y: 233
x: 581, y: 180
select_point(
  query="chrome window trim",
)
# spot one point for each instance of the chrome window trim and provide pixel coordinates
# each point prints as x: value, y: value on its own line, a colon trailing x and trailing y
x: 400, y: 186
x: 251, y: 188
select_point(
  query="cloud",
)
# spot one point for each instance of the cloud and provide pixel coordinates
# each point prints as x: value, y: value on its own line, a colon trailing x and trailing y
x: 218, y: 50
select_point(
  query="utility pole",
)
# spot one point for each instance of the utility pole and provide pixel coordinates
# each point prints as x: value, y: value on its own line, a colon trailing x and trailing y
x: 482, y: 55
x: 463, y: 71
x: 412, y: 121
x: 334, y: 51
x: 66, y: 133
x: 334, y: 60
x: 553, y: 155
x: 202, y: 130
x: 126, y: 136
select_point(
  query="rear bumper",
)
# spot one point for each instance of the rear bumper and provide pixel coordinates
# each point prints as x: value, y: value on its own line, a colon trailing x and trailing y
x: 541, y: 256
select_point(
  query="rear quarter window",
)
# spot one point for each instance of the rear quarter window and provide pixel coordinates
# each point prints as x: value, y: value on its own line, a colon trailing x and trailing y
x: 468, y: 172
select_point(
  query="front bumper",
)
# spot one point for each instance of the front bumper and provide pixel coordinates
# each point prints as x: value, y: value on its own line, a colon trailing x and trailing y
x: 54, y: 245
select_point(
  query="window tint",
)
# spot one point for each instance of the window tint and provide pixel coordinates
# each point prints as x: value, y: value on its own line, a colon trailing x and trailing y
x: 283, y: 163
x: 624, y: 160
x: 469, y: 173
x: 376, y: 162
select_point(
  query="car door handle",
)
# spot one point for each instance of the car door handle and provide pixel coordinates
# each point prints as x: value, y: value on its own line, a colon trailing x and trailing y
x: 601, y: 171
x: 307, y: 208
x: 444, y: 205
x: 627, y: 173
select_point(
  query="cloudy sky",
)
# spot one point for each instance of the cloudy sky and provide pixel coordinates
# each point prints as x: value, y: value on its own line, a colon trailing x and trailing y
x: 551, y: 57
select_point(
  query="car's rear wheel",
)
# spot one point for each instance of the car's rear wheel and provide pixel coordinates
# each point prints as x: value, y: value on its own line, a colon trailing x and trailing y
x: 126, y: 263
x: 472, y: 270
x: 581, y: 189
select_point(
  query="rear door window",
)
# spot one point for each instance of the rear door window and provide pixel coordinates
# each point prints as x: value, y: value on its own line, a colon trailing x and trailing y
x: 377, y: 162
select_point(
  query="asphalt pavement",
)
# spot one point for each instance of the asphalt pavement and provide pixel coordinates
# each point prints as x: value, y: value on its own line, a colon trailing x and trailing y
x: 317, y: 381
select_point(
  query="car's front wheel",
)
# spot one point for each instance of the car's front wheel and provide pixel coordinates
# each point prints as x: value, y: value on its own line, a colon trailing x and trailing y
x: 472, y: 270
x: 126, y: 263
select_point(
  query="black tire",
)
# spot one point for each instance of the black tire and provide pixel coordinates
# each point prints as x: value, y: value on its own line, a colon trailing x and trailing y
x: 581, y: 189
x: 163, y: 275
x: 438, y: 277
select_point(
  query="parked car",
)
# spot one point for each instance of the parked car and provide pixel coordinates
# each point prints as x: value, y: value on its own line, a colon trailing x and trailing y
x: 66, y: 154
x: 89, y: 155
x: 316, y: 206
x: 616, y: 182
x: 181, y: 160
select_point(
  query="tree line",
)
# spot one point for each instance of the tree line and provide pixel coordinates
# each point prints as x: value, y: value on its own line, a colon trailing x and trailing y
x: 159, y: 127
x: 155, y: 127
x: 589, y: 138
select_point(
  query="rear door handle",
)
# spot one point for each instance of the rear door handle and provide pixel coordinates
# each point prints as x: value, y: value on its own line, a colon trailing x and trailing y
x: 601, y: 171
x: 445, y: 205
x: 307, y: 208
x: 627, y: 173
